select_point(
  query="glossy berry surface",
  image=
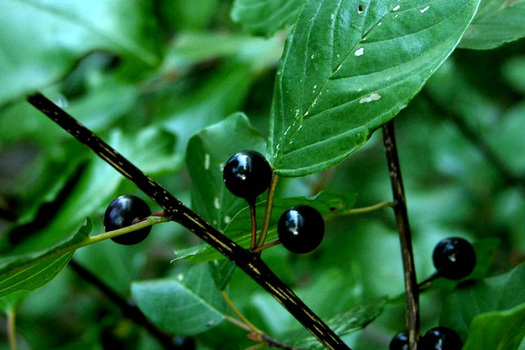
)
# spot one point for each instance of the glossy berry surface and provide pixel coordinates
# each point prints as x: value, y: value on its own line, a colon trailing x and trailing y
x: 301, y: 229
x: 440, y: 338
x: 124, y: 211
x: 247, y: 174
x: 399, y: 341
x: 454, y: 258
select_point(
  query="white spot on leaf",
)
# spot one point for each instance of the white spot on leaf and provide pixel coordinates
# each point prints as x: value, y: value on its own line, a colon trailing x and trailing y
x: 423, y: 10
x: 180, y: 277
x: 396, y: 8
x: 360, y: 51
x: 374, y: 96
x: 217, y: 203
x: 227, y: 219
x: 206, y: 161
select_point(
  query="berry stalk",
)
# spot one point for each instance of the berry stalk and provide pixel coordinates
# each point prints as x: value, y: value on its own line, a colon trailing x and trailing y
x: 405, y: 238
x: 175, y: 210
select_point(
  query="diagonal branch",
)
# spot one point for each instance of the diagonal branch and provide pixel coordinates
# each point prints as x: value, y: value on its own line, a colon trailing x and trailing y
x: 247, y: 261
x: 400, y: 210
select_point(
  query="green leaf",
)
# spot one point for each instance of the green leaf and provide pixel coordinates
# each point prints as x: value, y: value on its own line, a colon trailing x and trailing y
x: 206, y: 155
x: 186, y: 305
x: 348, y: 68
x: 328, y: 204
x: 497, y: 22
x: 355, y: 319
x: 46, y: 38
x: 499, y: 293
x: 497, y: 330
x: 265, y: 17
x: 97, y: 184
x: 12, y: 300
x: 33, y: 270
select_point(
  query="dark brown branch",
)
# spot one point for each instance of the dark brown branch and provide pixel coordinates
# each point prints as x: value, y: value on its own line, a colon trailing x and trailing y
x: 247, y: 261
x: 400, y: 210
x: 128, y: 310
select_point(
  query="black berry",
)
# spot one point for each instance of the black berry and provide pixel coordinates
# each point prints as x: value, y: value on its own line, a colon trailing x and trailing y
x: 454, y: 258
x: 441, y: 338
x: 301, y: 229
x: 124, y: 211
x: 399, y: 341
x: 247, y: 174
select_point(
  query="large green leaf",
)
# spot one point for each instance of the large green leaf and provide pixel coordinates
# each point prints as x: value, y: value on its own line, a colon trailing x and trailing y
x: 496, y: 23
x: 328, y: 204
x: 31, y: 271
x: 355, y: 319
x: 97, y: 184
x: 497, y: 330
x: 42, y: 39
x: 348, y: 67
x: 206, y: 155
x: 185, y: 305
x: 265, y: 17
x: 500, y: 293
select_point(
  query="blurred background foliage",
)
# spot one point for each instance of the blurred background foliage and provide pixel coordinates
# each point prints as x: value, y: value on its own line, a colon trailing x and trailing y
x: 147, y: 76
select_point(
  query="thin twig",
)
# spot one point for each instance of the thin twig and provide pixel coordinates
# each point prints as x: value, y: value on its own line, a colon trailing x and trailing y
x: 128, y: 310
x: 249, y: 262
x: 401, y: 214
x: 268, y: 212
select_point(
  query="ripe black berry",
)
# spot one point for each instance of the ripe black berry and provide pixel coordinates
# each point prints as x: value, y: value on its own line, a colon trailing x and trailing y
x: 399, y: 341
x: 247, y: 174
x: 301, y: 229
x: 441, y: 338
x: 124, y: 211
x: 454, y: 258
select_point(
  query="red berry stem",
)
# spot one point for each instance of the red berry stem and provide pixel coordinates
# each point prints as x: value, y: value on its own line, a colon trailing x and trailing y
x: 405, y: 238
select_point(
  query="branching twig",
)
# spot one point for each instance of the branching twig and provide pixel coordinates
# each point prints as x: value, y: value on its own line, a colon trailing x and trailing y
x: 247, y: 261
x: 128, y: 310
x: 400, y: 210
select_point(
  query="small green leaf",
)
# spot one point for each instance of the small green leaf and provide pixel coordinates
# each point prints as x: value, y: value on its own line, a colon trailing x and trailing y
x: 265, y: 17
x: 221, y: 271
x: 497, y: 330
x: 328, y: 204
x: 206, y: 155
x: 185, y: 305
x: 469, y: 300
x: 355, y: 319
x: 496, y: 23
x: 33, y: 270
x: 350, y: 66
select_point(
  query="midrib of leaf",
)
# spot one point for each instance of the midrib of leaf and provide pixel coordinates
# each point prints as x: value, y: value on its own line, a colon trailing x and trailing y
x: 62, y: 259
x: 121, y: 41
x: 306, y: 114
x: 197, y: 297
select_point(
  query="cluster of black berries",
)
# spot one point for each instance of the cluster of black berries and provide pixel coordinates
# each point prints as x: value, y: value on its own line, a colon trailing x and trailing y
x: 247, y: 174
x: 454, y: 258
x: 437, y: 338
